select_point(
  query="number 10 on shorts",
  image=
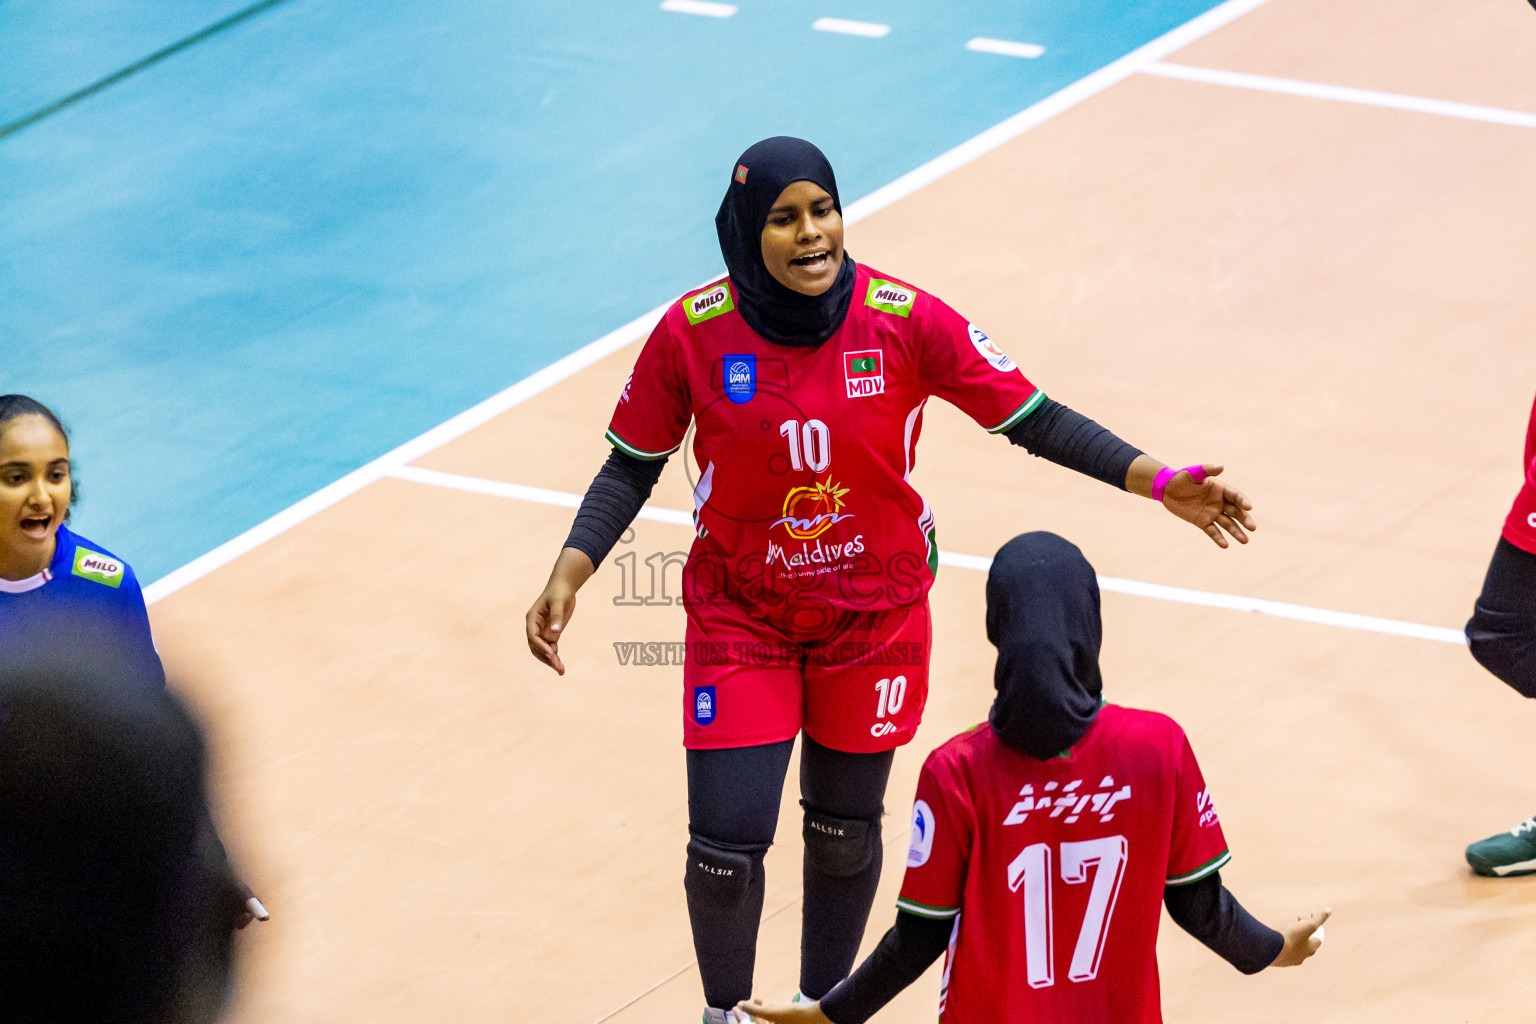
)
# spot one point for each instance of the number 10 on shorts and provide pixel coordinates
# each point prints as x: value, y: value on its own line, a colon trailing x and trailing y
x: 893, y: 693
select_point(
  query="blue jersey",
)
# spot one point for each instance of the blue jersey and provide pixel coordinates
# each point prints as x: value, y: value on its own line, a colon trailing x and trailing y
x: 85, y: 610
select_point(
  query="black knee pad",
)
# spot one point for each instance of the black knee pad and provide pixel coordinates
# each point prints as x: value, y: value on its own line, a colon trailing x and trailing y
x: 721, y: 872
x: 839, y: 847
x: 1505, y: 644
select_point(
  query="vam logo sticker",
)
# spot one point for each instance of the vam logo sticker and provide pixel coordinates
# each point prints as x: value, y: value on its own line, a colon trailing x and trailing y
x: 98, y: 568
x: 739, y: 377
x: 703, y: 705
x: 922, y: 835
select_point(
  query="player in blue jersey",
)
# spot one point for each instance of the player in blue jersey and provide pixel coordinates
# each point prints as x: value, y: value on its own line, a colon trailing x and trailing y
x: 51, y: 578
x: 65, y: 601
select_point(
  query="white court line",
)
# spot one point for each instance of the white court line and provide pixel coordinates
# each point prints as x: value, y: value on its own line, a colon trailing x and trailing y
x: 1058, y: 102
x: 1004, y: 48
x: 1113, y: 584
x: 867, y: 29
x: 410, y: 451
x: 704, y: 7
x: 518, y: 492
x: 1369, y: 97
x: 611, y: 342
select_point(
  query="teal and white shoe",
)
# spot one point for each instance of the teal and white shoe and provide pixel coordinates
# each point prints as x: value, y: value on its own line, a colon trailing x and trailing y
x: 1506, y: 854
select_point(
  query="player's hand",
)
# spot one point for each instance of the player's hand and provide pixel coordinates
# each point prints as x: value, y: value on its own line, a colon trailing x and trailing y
x: 551, y: 613
x: 1210, y: 505
x: 783, y: 1013
x: 547, y: 618
x: 1302, y: 938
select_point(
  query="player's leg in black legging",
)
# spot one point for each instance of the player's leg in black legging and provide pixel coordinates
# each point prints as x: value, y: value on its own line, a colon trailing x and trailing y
x: 1502, y: 630
x: 733, y: 808
x: 843, y: 795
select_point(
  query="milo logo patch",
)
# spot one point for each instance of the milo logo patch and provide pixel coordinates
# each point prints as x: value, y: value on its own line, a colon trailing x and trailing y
x: 707, y: 304
x: 890, y: 297
x: 98, y: 568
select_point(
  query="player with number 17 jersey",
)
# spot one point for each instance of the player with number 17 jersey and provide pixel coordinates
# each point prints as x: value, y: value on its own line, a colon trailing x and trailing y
x: 1060, y: 868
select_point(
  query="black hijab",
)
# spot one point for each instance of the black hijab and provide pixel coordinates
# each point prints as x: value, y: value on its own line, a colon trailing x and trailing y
x: 780, y: 314
x: 1043, y: 617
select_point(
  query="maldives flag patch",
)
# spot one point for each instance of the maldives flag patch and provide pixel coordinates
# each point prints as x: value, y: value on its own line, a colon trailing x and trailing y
x: 864, y: 372
x: 741, y: 173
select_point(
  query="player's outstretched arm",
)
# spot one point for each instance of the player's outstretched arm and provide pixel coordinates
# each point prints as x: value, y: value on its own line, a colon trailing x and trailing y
x: 552, y: 611
x: 1207, y: 503
x: 1302, y: 938
x: 1068, y: 438
x: 784, y: 1013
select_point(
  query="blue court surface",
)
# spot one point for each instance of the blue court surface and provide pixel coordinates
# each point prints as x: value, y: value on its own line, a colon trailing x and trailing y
x: 286, y: 249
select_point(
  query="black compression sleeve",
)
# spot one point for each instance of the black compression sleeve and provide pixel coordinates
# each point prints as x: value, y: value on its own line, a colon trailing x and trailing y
x: 906, y: 951
x: 1211, y: 914
x: 611, y: 503
x: 1057, y: 434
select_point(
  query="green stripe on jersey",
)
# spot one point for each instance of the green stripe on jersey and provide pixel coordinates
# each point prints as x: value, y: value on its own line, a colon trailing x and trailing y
x: 1200, y: 872
x: 923, y: 910
x: 1018, y: 414
x: 639, y: 453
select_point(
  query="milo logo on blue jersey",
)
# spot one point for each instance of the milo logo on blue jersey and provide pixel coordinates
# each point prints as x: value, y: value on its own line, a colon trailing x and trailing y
x: 98, y: 568
x: 703, y: 705
x: 740, y: 378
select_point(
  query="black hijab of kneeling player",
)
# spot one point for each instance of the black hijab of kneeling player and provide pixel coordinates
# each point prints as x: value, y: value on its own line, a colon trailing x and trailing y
x: 1043, y: 617
x: 780, y: 314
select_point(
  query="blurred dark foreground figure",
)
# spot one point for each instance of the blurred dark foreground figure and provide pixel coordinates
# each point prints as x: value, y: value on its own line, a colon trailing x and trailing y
x: 115, y: 899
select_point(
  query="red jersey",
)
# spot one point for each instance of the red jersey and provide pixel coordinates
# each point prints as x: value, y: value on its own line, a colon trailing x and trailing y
x: 1056, y: 868
x: 1520, y: 527
x: 804, y: 453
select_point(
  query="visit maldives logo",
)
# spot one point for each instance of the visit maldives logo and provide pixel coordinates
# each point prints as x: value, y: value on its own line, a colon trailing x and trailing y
x: 811, y: 511
x: 864, y: 372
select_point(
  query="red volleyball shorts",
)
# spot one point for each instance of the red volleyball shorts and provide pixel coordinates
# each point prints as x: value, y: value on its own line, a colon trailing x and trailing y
x: 858, y: 686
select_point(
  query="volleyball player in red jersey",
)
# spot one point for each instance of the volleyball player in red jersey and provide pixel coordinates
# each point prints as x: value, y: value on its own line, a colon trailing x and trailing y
x: 806, y: 377
x: 1502, y: 636
x: 1046, y: 841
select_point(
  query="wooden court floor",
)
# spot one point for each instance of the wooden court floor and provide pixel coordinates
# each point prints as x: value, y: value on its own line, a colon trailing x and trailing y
x: 1332, y: 298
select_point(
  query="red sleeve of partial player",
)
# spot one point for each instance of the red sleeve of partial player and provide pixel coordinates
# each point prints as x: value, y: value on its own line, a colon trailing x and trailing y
x: 1198, y: 847
x: 961, y: 365
x: 1520, y: 527
x: 653, y: 411
x: 943, y: 830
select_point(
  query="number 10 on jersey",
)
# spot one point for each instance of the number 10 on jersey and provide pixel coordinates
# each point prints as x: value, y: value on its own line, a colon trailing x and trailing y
x: 1031, y: 871
x: 813, y: 438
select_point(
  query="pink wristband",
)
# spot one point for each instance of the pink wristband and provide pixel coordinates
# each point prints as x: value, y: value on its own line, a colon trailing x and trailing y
x: 1160, y: 482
